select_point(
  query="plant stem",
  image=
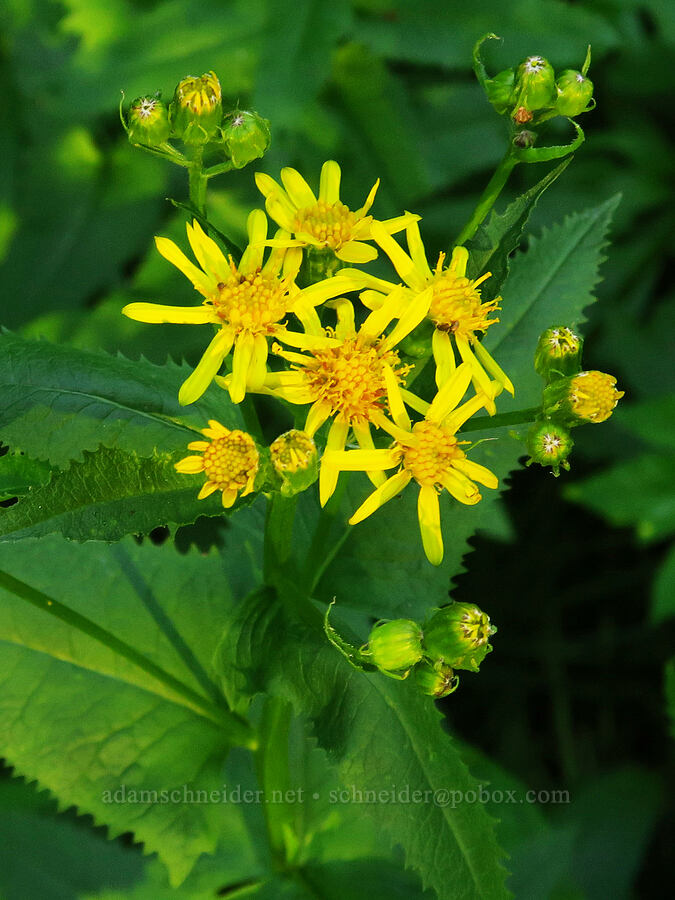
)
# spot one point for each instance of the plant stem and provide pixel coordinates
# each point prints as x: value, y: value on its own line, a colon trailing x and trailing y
x: 488, y: 197
x: 238, y: 729
x: 198, y: 181
x: 484, y: 423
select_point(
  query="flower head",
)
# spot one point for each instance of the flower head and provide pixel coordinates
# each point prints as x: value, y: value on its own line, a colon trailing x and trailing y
x: 429, y: 453
x: 196, y: 108
x: 324, y: 222
x: 593, y: 396
x: 449, y: 299
x: 229, y: 460
x: 353, y: 377
x: 247, y: 301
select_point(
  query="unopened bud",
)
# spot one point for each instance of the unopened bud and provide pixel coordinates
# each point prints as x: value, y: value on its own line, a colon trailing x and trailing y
x: 437, y: 680
x: 535, y: 84
x: 549, y: 444
x: 574, y: 93
x: 458, y: 635
x: 295, y: 460
x: 558, y: 353
x: 196, y: 109
x: 500, y: 90
x: 246, y: 135
x: 395, y: 646
x: 148, y: 122
x: 586, y: 397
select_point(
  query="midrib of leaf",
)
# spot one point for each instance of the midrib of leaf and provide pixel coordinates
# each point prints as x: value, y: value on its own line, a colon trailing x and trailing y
x: 154, y: 417
x: 549, y: 277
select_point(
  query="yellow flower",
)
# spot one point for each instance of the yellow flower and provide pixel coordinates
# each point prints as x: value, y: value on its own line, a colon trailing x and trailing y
x: 593, y: 396
x: 229, y: 460
x: 452, y: 302
x: 429, y: 453
x: 325, y: 223
x: 247, y: 301
x: 353, y: 377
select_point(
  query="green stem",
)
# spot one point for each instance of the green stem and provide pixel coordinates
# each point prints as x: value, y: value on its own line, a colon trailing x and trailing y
x: 273, y: 774
x: 218, y: 169
x: 325, y: 545
x: 238, y: 730
x: 484, y: 423
x: 198, y: 181
x: 488, y: 197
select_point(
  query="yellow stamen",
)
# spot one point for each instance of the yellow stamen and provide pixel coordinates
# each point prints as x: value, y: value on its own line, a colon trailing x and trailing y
x: 330, y: 224
x: 456, y: 305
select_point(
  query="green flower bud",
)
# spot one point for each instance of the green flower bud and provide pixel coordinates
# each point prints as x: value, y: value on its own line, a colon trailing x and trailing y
x: 458, y: 635
x: 246, y: 135
x: 148, y: 122
x: 586, y: 397
x: 574, y: 93
x: 395, y: 646
x: 500, y: 90
x: 196, y: 109
x: 549, y: 444
x: 295, y: 460
x: 436, y: 680
x: 535, y: 84
x: 558, y: 353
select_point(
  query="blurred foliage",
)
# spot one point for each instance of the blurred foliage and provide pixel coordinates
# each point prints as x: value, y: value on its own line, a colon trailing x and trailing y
x: 385, y: 87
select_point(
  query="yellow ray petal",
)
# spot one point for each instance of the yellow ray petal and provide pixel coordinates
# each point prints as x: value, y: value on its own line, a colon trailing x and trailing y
x: 458, y: 262
x: 266, y: 184
x: 215, y: 429
x: 364, y: 460
x: 456, y: 419
x: 281, y: 210
x: 324, y: 290
x: 177, y: 315
x: 415, y: 402
x: 429, y: 515
x: 391, y: 308
x: 191, y: 465
x: 444, y: 356
x: 257, y: 369
x: 396, y: 405
x: 306, y: 341
x: 292, y: 263
x: 380, y: 496
x: 356, y: 252
x: 450, y: 394
x: 316, y: 416
x: 404, y: 437
x: 414, y: 313
x: 417, y: 251
x: 461, y: 487
x: 170, y: 252
x: 207, y: 367
x: 256, y: 227
x: 198, y: 445
x: 346, y: 324
x: 480, y: 377
x: 492, y: 367
x: 399, y: 223
x: 228, y: 498
x: 372, y: 299
x: 328, y: 474
x: 476, y: 472
x: 241, y: 361
x: 365, y: 441
x: 400, y: 259
x: 207, y: 252
x: 329, y: 183
x: 370, y: 199
x: 297, y: 188
x: 207, y: 489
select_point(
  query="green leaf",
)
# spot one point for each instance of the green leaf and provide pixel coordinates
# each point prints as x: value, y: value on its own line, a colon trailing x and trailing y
x: 550, y: 284
x: 670, y: 694
x: 19, y: 473
x: 81, y: 720
x: 639, y: 493
x: 108, y: 495
x: 384, y: 736
x: 653, y: 420
x: 51, y: 856
x: 56, y: 402
x: 494, y: 242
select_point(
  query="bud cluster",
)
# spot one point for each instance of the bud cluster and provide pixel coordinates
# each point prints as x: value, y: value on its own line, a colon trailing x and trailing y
x: 532, y: 91
x: 455, y: 637
x: 195, y: 117
x: 571, y: 397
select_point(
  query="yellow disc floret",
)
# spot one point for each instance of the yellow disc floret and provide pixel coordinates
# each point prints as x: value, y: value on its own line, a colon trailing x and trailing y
x: 330, y: 224
x: 456, y: 304
x: 229, y: 460
x: 252, y: 301
x: 432, y: 455
x: 351, y: 378
x: 593, y: 396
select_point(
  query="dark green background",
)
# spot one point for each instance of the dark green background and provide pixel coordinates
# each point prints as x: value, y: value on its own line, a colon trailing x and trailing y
x: 583, y: 595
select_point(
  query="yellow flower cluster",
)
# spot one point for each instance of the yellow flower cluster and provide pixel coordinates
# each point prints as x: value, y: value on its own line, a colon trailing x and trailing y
x: 344, y: 356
